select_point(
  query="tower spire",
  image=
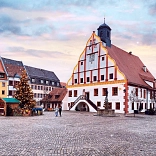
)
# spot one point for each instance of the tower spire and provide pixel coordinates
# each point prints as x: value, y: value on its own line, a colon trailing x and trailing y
x: 104, y: 19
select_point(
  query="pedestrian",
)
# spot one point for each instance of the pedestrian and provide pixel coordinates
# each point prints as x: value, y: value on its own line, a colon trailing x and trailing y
x: 56, y: 111
x: 60, y: 110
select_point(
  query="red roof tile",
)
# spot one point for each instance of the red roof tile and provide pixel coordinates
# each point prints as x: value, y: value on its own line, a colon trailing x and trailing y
x: 57, y: 94
x: 131, y: 66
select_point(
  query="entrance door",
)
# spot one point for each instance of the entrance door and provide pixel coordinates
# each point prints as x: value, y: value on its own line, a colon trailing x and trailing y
x: 87, y: 95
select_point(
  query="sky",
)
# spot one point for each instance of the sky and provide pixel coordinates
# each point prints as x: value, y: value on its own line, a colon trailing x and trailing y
x: 51, y: 34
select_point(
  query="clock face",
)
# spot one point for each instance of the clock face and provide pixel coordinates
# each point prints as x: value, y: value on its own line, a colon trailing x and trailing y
x: 101, y: 33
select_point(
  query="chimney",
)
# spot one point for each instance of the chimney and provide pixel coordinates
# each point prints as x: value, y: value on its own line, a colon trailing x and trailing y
x: 144, y: 69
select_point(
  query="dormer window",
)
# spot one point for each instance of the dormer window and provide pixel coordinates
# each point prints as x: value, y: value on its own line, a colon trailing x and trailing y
x: 144, y: 69
x: 58, y: 83
x: 42, y: 81
x: 1, y: 75
x: 47, y: 82
x: 53, y: 83
x: 32, y: 80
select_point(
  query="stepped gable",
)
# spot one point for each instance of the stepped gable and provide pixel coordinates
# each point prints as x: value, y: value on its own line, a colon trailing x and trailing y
x: 41, y: 73
x: 13, y: 67
x: 131, y: 66
x: 57, y: 94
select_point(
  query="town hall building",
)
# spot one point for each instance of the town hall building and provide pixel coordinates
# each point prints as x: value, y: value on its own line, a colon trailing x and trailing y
x: 104, y: 69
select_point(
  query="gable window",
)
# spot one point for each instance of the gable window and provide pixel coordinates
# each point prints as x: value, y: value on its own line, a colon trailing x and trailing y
x: 103, y: 58
x: 75, y: 93
x: 3, y: 84
x: 98, y: 104
x: 114, y: 91
x: 81, y: 80
x: 32, y: 80
x: 75, y: 80
x: 104, y: 91
x: 1, y: 75
x: 111, y: 76
x: 87, y: 79
x: 70, y: 93
x: 102, y: 77
x: 96, y: 92
x: 94, y: 78
x: 117, y: 105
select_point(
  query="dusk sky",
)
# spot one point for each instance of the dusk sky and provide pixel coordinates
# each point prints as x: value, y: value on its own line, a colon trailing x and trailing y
x: 51, y: 34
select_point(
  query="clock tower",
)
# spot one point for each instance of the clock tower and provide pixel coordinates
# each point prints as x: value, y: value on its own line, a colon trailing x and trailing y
x: 104, y: 32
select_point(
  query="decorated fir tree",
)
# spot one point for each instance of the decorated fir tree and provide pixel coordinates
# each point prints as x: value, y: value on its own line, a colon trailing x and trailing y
x: 24, y: 93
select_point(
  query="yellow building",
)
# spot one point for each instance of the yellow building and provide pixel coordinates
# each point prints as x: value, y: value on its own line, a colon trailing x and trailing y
x: 3, y: 82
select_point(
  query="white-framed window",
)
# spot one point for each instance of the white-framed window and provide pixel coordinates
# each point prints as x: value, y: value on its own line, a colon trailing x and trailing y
x: 47, y: 81
x: 58, y: 83
x: 42, y: 81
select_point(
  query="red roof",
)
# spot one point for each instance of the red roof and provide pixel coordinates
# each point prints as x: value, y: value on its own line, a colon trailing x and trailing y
x: 131, y: 66
x: 57, y: 94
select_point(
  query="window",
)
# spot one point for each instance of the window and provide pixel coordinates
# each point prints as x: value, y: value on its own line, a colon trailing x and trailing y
x: 117, y: 105
x: 10, y: 83
x: 38, y: 95
x: 137, y: 105
x: 98, y: 104
x: 70, y: 93
x: 57, y: 96
x: 1, y: 75
x: 41, y: 87
x: 144, y: 93
x: 141, y: 93
x: 32, y: 86
x: 32, y: 80
x: 136, y: 90
x: 47, y: 82
x: 81, y: 63
x: 95, y: 92
x: 103, y: 58
x: 114, y: 90
x: 133, y: 106
x: 110, y: 105
x: 75, y: 93
x: 53, y: 83
x: 102, y: 77
x: 10, y: 92
x: 35, y: 87
x: 94, y: 78
x: 81, y: 80
x: 111, y: 76
x: 87, y: 79
x: 58, y: 83
x: 145, y: 105
x: 101, y: 33
x: 49, y: 88
x: 3, y: 92
x: 3, y: 84
x: 38, y: 87
x: 104, y: 91
x: 42, y: 81
x: 75, y: 80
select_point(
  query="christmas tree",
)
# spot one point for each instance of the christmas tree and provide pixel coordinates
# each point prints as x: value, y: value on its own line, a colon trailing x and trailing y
x: 24, y: 93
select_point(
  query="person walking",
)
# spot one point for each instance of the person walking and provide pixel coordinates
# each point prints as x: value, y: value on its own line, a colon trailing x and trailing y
x: 60, y: 110
x: 56, y: 111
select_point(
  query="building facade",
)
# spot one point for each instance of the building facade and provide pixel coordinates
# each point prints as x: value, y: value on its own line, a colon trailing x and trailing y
x: 104, y: 70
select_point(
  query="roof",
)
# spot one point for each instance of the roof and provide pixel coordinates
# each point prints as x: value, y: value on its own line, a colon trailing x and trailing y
x: 63, y: 84
x: 57, y: 94
x: 131, y: 66
x: 41, y: 73
x: 11, y: 100
x: 13, y: 67
x: 104, y: 25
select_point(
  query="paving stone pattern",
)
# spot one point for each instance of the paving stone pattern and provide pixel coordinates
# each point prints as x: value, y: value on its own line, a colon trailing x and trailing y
x: 78, y: 134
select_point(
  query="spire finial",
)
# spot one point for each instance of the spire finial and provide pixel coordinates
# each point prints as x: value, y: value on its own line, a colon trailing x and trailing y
x: 104, y: 19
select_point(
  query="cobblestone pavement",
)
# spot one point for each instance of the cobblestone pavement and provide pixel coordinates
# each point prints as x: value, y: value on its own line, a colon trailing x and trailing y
x: 78, y: 134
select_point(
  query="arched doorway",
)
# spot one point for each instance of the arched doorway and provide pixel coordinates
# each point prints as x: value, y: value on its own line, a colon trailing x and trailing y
x: 82, y: 106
